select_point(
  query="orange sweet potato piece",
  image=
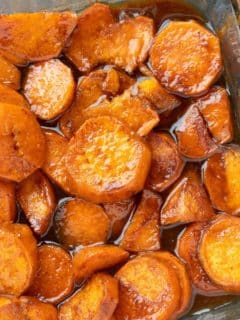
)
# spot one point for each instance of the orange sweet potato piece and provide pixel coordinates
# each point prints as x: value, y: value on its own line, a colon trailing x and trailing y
x: 18, y: 258
x: 36, y: 197
x: 91, y: 259
x: 7, y: 201
x: 29, y: 37
x: 49, y: 88
x: 96, y: 300
x: 167, y: 163
x: 99, y: 39
x: 110, y: 166
x: 194, y: 139
x: 118, y: 213
x: 22, y: 142
x: 53, y: 280
x: 143, y: 232
x: 10, y: 75
x: 188, y: 201
x: 79, y: 222
x: 31, y: 309
x: 219, y: 252
x: 148, y: 289
x: 10, y: 309
x: 8, y: 95
x: 186, y: 57
x: 221, y: 177
x: 187, y: 249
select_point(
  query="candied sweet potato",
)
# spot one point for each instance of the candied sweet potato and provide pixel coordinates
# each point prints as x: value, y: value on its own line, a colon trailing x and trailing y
x: 167, y: 163
x: 96, y: 300
x: 18, y: 258
x: 221, y: 177
x: 49, y: 88
x: 53, y: 280
x: 187, y: 201
x: 186, y: 57
x: 107, y: 162
x: 143, y: 232
x: 10, y: 75
x: 36, y: 197
x: 7, y: 201
x: 31, y: 309
x: 79, y: 222
x: 29, y: 37
x: 10, y: 309
x: 91, y: 259
x: 219, y: 252
x: 148, y: 289
x: 187, y: 249
x: 22, y: 142
x: 8, y: 95
x: 99, y: 39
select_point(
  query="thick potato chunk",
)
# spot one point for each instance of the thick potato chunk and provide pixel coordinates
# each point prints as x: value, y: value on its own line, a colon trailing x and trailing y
x: 8, y: 95
x: 167, y: 163
x: 187, y: 201
x: 54, y: 277
x: 7, y: 201
x: 107, y: 162
x: 143, y: 232
x: 49, y: 88
x: 148, y: 289
x: 186, y: 57
x: 79, y: 222
x: 219, y: 252
x: 96, y: 300
x: 36, y: 197
x: 221, y: 177
x: 99, y: 39
x: 91, y: 259
x: 31, y: 309
x: 29, y: 37
x: 18, y: 258
x: 10, y: 75
x: 22, y: 143
x: 187, y: 249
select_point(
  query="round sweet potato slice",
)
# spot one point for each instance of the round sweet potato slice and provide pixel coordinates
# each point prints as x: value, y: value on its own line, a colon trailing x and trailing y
x: 79, y: 222
x: 10, y: 309
x: 18, y: 258
x: 22, y: 142
x: 148, y: 289
x: 91, y: 259
x: 49, y: 88
x: 219, y: 252
x: 8, y: 95
x: 186, y: 57
x: 10, y: 75
x: 32, y: 309
x: 187, y: 249
x: 107, y: 162
x: 54, y: 277
x: 7, y: 201
x: 96, y: 300
x: 221, y: 174
x: 167, y: 163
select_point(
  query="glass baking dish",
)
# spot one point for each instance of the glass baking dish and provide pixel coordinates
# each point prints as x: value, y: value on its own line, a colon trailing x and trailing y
x: 221, y: 15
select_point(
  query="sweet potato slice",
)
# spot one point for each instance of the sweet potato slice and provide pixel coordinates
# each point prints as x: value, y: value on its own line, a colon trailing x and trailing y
x: 91, y: 259
x: 32, y: 309
x: 186, y: 57
x: 10, y: 75
x: 221, y: 177
x: 188, y: 201
x: 219, y: 252
x: 29, y: 37
x: 194, y: 139
x: 36, y: 197
x: 110, y: 166
x: 99, y: 39
x: 7, y: 201
x: 118, y: 213
x: 148, y: 289
x: 79, y: 222
x: 49, y: 88
x: 10, y: 309
x: 18, y: 258
x: 167, y: 163
x: 54, y: 277
x: 22, y: 143
x: 96, y: 300
x: 8, y: 95
x: 143, y: 232
x: 187, y: 249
